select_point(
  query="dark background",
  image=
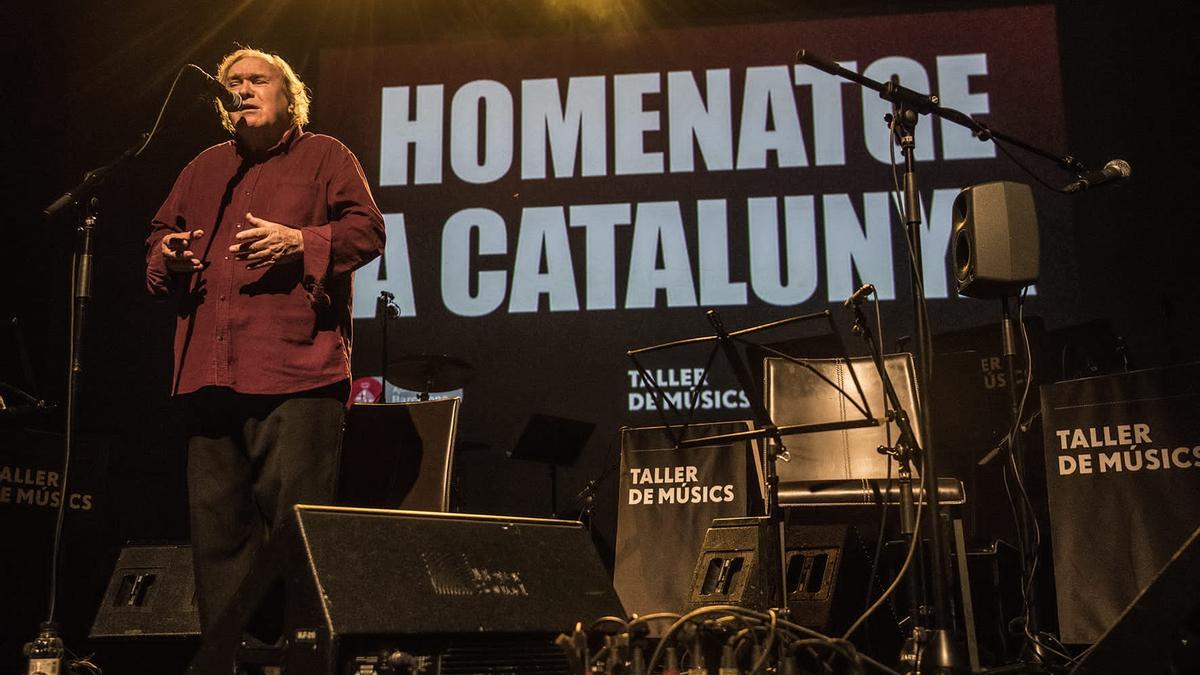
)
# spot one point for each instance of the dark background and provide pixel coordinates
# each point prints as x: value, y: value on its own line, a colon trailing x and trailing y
x: 84, y: 79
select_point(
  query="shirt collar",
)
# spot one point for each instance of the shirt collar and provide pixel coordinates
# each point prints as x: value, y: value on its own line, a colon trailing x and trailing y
x: 285, y: 143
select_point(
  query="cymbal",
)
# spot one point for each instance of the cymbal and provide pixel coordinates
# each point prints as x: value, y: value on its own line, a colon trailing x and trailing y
x: 429, y: 372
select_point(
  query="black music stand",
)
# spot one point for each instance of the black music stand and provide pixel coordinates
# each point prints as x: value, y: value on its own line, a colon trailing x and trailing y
x: 727, y: 342
x: 553, y: 441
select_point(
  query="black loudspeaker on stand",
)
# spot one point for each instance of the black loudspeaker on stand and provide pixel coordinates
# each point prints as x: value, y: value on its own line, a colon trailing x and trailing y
x: 995, y: 239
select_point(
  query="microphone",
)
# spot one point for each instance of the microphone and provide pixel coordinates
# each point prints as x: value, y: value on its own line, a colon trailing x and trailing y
x: 858, y: 296
x: 230, y: 101
x: 384, y: 306
x: 1116, y: 169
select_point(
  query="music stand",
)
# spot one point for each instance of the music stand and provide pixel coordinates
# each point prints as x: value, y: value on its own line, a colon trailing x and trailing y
x: 553, y: 441
x: 727, y: 343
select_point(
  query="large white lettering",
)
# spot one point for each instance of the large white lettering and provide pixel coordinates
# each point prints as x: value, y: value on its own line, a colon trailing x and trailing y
x: 560, y: 139
x: 543, y: 237
x: 471, y: 162
x: 465, y: 293
x: 575, y: 129
x: 783, y: 266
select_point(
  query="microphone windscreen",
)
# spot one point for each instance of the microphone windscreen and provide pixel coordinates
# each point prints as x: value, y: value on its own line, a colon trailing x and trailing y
x: 231, y: 101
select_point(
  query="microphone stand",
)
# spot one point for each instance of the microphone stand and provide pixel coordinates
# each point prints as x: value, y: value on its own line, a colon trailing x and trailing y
x: 82, y: 270
x: 385, y: 310
x: 905, y: 449
x: 907, y: 106
x: 82, y: 273
x: 941, y: 634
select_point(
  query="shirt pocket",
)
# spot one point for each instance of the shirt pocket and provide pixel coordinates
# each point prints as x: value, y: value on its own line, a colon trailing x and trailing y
x: 296, y: 203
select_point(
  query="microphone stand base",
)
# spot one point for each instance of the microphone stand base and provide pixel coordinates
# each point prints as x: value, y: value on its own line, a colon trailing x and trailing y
x: 934, y: 652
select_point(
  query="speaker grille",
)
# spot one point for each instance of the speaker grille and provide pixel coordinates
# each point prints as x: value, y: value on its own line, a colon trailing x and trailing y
x: 963, y: 261
x: 514, y: 657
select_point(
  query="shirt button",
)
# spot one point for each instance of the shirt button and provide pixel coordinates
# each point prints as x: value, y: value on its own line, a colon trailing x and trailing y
x: 221, y: 298
x: 220, y: 338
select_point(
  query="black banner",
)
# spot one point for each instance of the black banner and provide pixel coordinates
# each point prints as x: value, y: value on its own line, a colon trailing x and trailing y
x: 669, y: 498
x: 1123, y: 480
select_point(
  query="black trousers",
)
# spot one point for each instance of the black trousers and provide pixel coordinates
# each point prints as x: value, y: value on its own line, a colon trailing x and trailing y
x: 250, y: 459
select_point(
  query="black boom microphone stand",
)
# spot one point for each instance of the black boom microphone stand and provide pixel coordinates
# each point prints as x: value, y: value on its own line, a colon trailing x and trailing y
x: 941, y: 649
x: 83, y: 196
x: 82, y: 268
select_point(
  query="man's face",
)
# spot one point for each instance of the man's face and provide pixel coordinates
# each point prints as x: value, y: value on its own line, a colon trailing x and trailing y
x: 264, y: 103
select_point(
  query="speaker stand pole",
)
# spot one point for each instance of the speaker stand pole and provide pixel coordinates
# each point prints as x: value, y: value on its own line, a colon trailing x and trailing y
x: 1025, y: 541
x: 1009, y: 351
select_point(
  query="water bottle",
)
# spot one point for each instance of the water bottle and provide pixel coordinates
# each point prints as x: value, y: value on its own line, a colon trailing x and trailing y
x: 46, y: 651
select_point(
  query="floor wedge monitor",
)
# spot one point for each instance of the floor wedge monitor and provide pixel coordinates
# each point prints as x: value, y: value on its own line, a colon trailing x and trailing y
x: 343, y: 590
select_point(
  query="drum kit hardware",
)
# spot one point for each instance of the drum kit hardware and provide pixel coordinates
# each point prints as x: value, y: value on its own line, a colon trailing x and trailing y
x: 426, y: 373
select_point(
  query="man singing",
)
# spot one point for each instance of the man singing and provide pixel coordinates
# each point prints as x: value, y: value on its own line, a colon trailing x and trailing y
x: 257, y: 241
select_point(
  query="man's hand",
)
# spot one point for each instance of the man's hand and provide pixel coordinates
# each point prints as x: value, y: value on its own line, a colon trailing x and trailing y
x: 177, y: 253
x: 267, y: 243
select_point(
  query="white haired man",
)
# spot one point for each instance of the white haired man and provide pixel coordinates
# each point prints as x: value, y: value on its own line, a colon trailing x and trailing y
x: 257, y: 243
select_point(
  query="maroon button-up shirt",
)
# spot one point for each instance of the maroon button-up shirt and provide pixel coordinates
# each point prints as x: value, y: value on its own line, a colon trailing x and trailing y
x: 278, y: 329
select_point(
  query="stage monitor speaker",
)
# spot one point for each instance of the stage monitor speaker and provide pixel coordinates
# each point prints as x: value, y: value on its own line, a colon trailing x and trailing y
x: 342, y: 590
x: 152, y: 593
x: 995, y: 239
x: 399, y: 455
x: 1160, y: 630
x: 737, y: 566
